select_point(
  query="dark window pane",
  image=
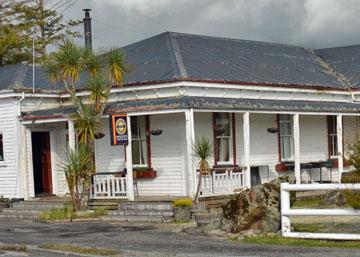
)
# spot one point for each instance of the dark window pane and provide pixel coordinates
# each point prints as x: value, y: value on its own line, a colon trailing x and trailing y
x: 1, y: 148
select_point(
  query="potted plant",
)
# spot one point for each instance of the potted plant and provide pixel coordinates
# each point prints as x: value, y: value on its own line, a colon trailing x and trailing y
x: 182, y: 209
x: 4, y: 203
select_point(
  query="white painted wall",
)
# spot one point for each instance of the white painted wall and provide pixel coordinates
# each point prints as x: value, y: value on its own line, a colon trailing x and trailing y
x: 263, y: 145
x: 58, y: 155
x: 203, y: 128
x: 108, y: 158
x: 9, y: 178
x: 167, y: 152
x: 166, y: 156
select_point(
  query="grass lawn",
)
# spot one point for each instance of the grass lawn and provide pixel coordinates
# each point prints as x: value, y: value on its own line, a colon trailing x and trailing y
x: 278, y: 240
x: 80, y: 249
x: 308, y: 203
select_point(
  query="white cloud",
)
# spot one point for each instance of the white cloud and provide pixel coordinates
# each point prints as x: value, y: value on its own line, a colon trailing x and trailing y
x: 311, y: 23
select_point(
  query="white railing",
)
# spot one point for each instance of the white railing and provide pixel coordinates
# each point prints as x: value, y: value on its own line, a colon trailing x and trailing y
x: 287, y: 212
x: 221, y: 183
x: 105, y: 186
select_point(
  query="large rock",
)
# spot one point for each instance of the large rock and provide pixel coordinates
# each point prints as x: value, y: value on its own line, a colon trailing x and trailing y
x: 256, y: 209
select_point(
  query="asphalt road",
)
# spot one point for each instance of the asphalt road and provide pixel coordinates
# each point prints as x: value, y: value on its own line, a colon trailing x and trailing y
x: 146, y: 240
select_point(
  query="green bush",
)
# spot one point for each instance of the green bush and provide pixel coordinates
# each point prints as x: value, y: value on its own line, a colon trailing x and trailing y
x: 352, y: 197
x: 184, y: 202
x: 4, y: 200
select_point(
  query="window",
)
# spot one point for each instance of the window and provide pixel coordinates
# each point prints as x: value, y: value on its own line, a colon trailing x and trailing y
x: 332, y: 133
x: 286, y: 137
x: 222, y: 138
x: 139, y: 140
x: 1, y: 148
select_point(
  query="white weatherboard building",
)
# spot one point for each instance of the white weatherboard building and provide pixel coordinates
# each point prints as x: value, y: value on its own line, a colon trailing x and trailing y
x: 270, y: 109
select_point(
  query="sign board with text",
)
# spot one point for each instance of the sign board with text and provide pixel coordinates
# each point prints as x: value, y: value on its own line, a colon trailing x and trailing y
x: 119, y: 129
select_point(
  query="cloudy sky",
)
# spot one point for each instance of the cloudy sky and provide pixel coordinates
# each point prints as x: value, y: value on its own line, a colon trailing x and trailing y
x: 309, y: 23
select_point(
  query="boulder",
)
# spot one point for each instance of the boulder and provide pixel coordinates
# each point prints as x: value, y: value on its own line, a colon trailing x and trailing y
x: 256, y: 209
x: 334, y: 198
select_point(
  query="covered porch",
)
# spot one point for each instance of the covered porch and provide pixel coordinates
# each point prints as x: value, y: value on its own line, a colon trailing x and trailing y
x: 254, y: 140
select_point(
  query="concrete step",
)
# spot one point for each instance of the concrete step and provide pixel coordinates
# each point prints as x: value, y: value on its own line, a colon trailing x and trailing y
x: 43, y: 202
x: 36, y: 206
x: 146, y: 206
x: 165, y: 213
x: 139, y: 218
x: 18, y: 216
x: 104, y: 204
x: 21, y: 212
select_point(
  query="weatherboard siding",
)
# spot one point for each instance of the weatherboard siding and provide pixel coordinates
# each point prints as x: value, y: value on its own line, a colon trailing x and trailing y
x: 108, y: 158
x: 166, y: 156
x: 9, y: 177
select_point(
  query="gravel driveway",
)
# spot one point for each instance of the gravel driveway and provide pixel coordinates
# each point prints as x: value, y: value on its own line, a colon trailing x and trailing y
x: 147, y: 240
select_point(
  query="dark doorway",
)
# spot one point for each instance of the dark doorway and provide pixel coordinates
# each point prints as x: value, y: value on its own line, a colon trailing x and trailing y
x: 255, y: 176
x: 41, y: 163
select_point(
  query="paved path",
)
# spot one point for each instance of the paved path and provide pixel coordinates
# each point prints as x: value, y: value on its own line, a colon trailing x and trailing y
x: 147, y: 240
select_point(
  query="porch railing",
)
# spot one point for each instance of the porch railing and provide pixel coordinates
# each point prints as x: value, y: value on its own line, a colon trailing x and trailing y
x: 108, y: 185
x: 224, y: 183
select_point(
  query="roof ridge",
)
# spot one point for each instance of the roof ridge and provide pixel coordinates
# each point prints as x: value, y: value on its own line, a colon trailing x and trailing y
x: 336, y: 47
x: 331, y: 70
x: 233, y: 39
x: 18, y: 80
x: 176, y: 55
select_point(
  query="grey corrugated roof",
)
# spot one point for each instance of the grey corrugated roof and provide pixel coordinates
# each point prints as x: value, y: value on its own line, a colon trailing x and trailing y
x: 175, y: 56
x: 345, y: 61
x: 208, y: 103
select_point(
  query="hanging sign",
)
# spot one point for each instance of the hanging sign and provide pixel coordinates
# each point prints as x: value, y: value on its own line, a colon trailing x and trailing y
x: 119, y: 132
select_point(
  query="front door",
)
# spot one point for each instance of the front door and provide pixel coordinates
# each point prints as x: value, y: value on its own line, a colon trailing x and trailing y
x: 41, y: 163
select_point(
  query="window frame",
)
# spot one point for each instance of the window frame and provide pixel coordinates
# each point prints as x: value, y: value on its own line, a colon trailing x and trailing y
x: 282, y: 136
x: 2, y: 148
x: 332, y: 136
x: 231, y: 138
x: 143, y: 139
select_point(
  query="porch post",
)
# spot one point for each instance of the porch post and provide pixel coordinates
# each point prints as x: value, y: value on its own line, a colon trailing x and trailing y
x: 129, y: 166
x: 339, y: 134
x: 246, y: 130
x: 71, y: 132
x: 190, y: 138
x: 296, y: 135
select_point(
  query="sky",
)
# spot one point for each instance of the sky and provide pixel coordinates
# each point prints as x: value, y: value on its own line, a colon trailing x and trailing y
x: 308, y: 23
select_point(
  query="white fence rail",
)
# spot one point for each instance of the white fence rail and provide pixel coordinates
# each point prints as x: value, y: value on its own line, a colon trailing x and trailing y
x: 221, y: 183
x: 105, y: 186
x: 287, y: 212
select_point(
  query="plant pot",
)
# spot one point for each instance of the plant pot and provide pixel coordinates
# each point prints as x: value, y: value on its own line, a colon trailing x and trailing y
x: 3, y: 206
x: 182, y: 214
x: 209, y: 221
x: 99, y: 135
x: 144, y: 174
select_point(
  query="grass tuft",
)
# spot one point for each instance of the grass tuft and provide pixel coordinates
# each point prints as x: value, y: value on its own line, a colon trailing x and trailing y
x: 80, y: 249
x: 13, y: 248
x: 67, y: 213
x: 278, y: 240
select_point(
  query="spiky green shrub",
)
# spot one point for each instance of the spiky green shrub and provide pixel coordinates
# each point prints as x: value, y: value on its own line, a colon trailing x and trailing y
x: 203, y: 150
